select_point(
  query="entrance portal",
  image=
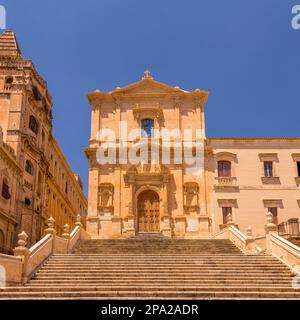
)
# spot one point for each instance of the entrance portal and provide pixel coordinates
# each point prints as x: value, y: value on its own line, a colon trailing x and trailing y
x: 148, y: 212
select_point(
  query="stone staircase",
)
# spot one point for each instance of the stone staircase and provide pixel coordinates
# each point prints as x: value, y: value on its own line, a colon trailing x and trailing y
x: 142, y: 268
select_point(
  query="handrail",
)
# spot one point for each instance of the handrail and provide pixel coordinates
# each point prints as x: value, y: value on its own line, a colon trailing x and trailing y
x: 38, y: 254
x: 39, y: 244
x: 295, y: 250
x: 9, y: 257
x: 29, y: 260
x: 74, y: 237
x: 234, y: 230
x: 284, y: 250
x: 12, y: 267
x: 74, y: 231
x: 238, y: 233
x: 243, y: 242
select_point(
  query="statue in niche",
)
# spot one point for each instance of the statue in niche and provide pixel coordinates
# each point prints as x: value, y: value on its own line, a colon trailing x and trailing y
x: 106, y: 197
x: 191, y: 196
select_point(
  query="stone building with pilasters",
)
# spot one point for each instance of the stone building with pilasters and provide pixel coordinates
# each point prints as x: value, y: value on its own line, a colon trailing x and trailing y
x: 48, y: 186
x: 241, y: 179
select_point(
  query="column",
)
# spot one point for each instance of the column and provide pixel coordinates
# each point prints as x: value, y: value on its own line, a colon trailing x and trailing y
x: 130, y: 230
x: 92, y: 223
x: 166, y: 219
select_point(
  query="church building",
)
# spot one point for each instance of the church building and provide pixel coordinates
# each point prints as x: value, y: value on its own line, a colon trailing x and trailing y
x: 238, y: 180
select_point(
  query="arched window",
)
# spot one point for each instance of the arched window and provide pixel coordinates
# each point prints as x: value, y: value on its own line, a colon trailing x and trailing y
x: 224, y: 168
x: 5, y: 189
x: 9, y: 80
x: 147, y: 126
x: 29, y: 167
x: 33, y: 124
x: 36, y: 93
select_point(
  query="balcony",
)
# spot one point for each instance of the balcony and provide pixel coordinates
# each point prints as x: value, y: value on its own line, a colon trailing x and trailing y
x: 229, y: 183
x: 7, y: 87
x: 270, y: 180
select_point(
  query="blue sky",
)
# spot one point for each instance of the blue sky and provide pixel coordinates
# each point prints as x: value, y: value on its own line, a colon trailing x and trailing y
x: 244, y: 52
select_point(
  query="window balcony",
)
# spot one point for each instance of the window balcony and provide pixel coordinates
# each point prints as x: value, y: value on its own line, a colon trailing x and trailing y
x: 226, y: 183
x: 270, y: 180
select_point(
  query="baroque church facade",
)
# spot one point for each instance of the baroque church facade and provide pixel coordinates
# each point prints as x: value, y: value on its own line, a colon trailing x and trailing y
x: 36, y: 181
x: 241, y: 180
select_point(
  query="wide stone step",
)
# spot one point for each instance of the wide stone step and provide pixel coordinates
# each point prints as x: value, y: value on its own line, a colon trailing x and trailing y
x: 172, y: 249
x: 173, y: 261
x: 144, y: 274
x: 161, y: 263
x: 158, y: 268
x: 74, y: 287
x: 155, y: 243
x: 163, y: 258
x: 149, y: 295
x: 166, y: 260
x: 157, y: 282
x: 128, y: 277
x: 132, y: 252
x: 165, y: 254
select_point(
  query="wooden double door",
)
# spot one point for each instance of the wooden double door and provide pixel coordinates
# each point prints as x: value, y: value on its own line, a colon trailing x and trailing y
x: 148, y: 215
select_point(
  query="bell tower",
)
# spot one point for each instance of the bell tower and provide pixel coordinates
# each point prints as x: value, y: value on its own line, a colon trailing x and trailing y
x: 26, y: 121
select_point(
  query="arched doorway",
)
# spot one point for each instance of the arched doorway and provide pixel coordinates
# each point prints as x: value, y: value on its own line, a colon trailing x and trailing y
x: 148, y: 215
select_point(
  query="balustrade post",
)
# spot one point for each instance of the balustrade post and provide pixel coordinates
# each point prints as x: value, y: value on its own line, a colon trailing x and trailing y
x: 22, y: 251
x: 270, y: 228
x: 250, y: 241
x: 66, y: 235
x: 50, y: 230
x: 78, y: 221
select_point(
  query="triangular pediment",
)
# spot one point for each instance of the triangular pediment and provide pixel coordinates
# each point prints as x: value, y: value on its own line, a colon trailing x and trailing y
x: 147, y: 86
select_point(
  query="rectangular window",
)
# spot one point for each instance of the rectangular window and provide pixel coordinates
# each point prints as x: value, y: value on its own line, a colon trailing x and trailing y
x: 224, y: 168
x: 274, y: 211
x: 268, y: 168
x: 147, y: 127
x: 298, y: 168
x: 225, y: 212
x: 5, y: 191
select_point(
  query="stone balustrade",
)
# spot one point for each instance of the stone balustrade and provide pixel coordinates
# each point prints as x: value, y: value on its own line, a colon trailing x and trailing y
x: 21, y: 267
x: 243, y: 242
